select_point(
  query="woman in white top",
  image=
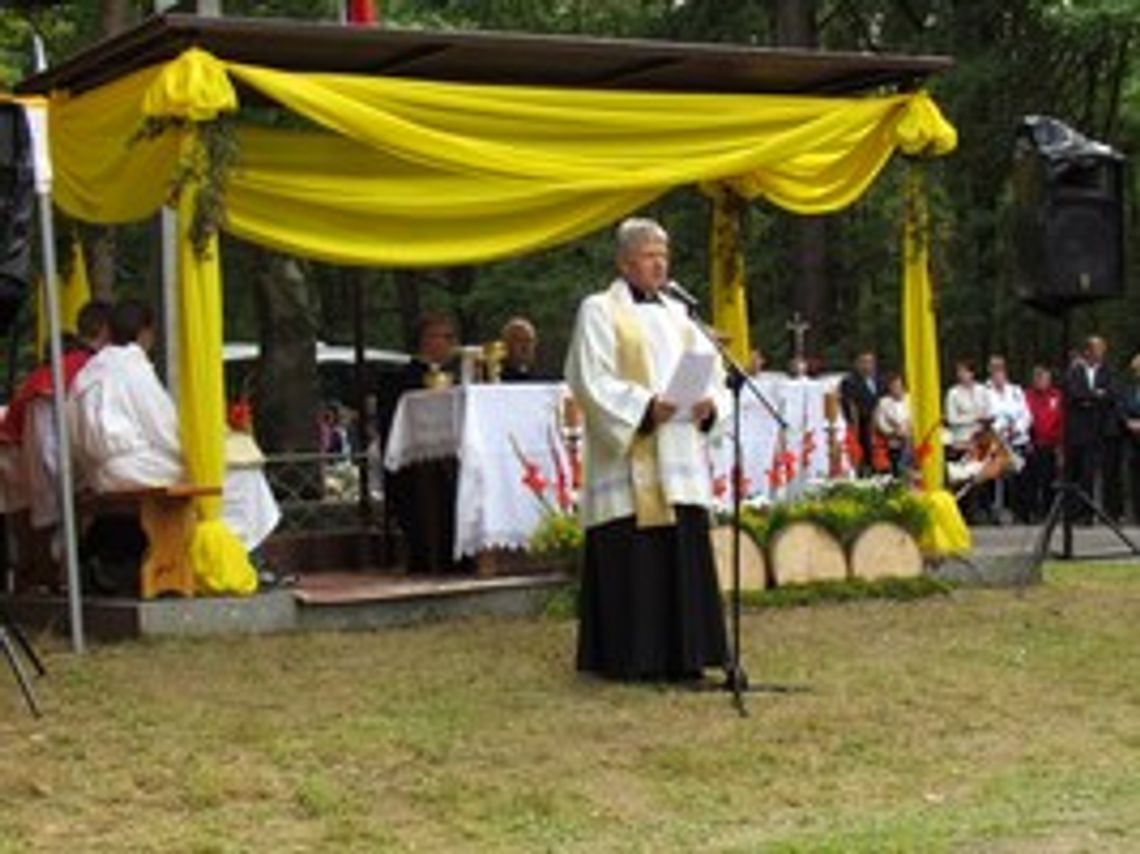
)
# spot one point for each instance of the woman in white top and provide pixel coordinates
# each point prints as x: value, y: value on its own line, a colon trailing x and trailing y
x: 892, y: 424
x: 967, y: 406
x: 1007, y: 406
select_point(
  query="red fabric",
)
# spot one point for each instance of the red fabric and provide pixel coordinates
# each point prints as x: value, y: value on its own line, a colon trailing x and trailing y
x: 1048, y: 413
x: 361, y: 12
x: 38, y: 384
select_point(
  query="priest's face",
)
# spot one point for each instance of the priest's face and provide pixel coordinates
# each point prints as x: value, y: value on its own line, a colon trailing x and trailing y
x: 646, y: 265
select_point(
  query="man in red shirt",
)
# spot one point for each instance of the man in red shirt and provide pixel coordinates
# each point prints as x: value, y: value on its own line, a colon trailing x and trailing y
x: 1046, y: 410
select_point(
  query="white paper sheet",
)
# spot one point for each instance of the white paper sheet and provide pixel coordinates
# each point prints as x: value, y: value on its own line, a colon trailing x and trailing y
x: 690, y: 382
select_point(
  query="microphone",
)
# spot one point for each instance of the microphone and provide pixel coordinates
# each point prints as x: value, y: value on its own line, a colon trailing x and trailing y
x: 681, y: 295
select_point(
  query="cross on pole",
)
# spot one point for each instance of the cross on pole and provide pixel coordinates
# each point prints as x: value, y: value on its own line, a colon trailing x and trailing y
x: 798, y: 327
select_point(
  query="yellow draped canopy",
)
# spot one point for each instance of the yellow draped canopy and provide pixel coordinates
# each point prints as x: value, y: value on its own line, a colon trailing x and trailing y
x: 399, y: 172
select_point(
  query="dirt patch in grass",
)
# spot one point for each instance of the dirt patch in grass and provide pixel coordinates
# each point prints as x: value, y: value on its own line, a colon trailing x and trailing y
x: 980, y: 719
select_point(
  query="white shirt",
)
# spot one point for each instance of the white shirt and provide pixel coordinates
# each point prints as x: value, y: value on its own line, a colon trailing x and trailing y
x: 965, y: 409
x: 1010, y: 413
x: 892, y: 417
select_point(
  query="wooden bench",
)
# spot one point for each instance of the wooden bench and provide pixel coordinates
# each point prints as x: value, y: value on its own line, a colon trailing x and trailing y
x: 167, y: 517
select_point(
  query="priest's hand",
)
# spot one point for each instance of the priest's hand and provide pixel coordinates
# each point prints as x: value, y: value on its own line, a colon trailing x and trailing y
x: 703, y: 411
x: 662, y: 410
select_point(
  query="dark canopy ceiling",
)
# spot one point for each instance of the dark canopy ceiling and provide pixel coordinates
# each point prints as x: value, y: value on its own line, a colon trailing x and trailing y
x: 486, y: 57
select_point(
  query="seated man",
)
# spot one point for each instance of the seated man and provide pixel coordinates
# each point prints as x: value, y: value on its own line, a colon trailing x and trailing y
x: 31, y: 450
x: 125, y: 426
x: 521, y: 342
x: 29, y: 421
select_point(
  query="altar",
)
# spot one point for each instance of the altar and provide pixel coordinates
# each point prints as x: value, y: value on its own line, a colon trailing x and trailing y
x: 508, y: 446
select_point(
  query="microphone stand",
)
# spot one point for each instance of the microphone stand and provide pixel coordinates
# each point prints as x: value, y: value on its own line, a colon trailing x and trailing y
x: 736, y: 678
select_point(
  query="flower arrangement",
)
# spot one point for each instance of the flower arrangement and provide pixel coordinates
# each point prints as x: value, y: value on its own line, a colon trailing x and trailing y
x: 240, y: 416
x: 559, y: 533
x: 843, y: 508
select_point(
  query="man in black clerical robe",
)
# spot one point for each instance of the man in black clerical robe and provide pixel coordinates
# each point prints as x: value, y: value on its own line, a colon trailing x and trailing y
x: 650, y: 605
x: 423, y: 495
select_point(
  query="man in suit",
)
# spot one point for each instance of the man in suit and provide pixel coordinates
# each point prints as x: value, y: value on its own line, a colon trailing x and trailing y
x: 859, y: 393
x: 1092, y: 426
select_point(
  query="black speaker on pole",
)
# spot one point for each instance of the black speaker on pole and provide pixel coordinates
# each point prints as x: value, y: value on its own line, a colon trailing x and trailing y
x: 17, y: 211
x: 1069, y: 202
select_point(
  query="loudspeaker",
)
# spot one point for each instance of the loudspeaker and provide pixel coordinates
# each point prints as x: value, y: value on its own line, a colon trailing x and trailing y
x: 1070, y: 216
x: 17, y: 208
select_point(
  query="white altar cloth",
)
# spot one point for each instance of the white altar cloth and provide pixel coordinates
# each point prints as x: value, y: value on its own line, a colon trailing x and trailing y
x: 486, y: 427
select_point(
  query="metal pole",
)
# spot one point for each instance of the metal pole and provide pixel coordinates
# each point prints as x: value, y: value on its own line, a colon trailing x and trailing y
x: 169, y: 223
x: 36, y: 115
x: 66, y: 498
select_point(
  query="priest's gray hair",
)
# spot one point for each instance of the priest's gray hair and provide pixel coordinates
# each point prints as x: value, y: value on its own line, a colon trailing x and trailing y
x: 635, y: 231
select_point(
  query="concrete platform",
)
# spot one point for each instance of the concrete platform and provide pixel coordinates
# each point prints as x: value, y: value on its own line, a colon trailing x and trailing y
x: 333, y: 601
x: 1005, y: 556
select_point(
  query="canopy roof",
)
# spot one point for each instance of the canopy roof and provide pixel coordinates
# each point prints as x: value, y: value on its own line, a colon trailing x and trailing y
x: 485, y: 57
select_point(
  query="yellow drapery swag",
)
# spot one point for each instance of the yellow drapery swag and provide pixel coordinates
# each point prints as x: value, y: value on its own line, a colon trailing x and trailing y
x: 221, y: 564
x: 413, y: 173
x: 73, y: 295
x: 417, y: 173
x: 726, y: 256
x: 947, y: 532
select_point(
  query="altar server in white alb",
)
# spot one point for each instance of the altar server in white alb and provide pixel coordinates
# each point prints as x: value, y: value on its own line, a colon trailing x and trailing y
x: 125, y: 428
x: 650, y: 605
x: 123, y: 422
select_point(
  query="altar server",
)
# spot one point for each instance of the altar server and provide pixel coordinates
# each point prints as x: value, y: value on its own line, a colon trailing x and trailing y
x: 124, y: 424
x: 650, y: 604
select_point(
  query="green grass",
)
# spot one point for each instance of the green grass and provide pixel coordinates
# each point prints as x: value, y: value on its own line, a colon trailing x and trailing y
x: 977, y: 720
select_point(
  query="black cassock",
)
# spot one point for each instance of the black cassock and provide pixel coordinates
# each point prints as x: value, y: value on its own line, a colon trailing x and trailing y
x: 650, y: 605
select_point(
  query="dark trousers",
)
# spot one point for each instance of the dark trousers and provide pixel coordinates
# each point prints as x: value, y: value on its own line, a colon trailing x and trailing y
x: 1112, y: 476
x: 1134, y: 477
x: 1081, y: 462
x: 1040, y: 473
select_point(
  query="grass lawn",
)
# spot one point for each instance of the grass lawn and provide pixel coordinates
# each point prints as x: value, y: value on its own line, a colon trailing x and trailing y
x: 982, y: 720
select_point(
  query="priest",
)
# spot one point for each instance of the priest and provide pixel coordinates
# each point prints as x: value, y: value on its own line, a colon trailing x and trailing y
x: 650, y: 605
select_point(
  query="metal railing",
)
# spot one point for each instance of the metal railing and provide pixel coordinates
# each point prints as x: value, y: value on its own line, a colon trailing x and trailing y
x: 320, y: 492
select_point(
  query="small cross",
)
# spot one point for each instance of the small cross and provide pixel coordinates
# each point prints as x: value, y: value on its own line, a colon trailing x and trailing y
x: 798, y: 327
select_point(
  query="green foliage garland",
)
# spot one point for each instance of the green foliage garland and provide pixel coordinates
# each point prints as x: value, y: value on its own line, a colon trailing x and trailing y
x: 844, y: 509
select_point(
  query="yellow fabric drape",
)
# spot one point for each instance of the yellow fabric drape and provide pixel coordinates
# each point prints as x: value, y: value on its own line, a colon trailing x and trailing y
x: 73, y: 295
x: 415, y: 173
x: 221, y: 565
x: 726, y: 276
x: 947, y: 532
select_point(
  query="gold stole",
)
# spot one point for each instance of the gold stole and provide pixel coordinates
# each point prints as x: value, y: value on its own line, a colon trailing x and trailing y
x: 650, y: 505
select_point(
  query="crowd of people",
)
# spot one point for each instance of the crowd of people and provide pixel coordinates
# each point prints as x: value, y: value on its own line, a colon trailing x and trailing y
x: 1007, y: 446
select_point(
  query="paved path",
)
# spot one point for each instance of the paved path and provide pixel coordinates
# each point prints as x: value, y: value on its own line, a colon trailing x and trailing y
x: 1093, y: 542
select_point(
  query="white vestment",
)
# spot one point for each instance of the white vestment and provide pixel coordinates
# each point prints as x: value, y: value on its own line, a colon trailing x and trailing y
x: 248, y: 504
x: 615, y: 406
x: 123, y: 423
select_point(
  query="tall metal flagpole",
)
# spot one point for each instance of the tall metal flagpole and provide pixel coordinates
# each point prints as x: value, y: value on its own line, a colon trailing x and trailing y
x: 36, y: 113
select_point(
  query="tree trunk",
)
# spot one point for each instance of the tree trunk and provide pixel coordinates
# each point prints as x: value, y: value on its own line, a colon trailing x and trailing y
x: 99, y: 245
x: 796, y: 27
x: 287, y: 401
x: 408, y: 299
x: 99, y: 242
x: 114, y: 16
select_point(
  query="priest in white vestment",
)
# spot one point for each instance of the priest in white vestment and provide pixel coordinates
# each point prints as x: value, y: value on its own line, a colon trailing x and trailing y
x: 650, y: 604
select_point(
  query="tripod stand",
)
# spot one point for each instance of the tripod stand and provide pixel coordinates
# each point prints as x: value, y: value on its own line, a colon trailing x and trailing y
x: 13, y: 641
x: 736, y: 678
x: 1066, y: 495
